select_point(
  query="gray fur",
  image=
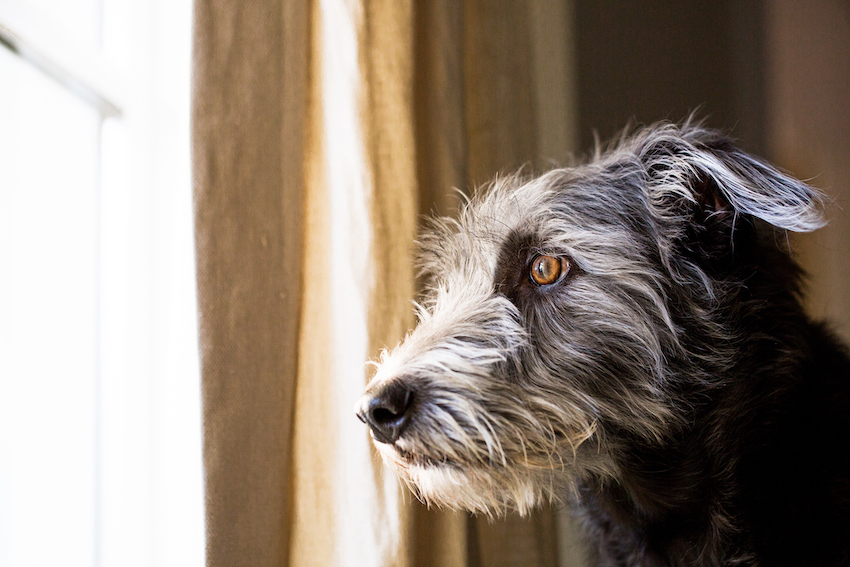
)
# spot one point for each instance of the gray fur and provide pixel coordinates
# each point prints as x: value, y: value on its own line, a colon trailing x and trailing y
x: 514, y: 395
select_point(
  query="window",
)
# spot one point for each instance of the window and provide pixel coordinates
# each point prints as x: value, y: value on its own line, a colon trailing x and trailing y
x: 100, y: 451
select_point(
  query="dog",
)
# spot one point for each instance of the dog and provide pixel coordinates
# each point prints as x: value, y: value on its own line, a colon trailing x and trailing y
x: 627, y: 337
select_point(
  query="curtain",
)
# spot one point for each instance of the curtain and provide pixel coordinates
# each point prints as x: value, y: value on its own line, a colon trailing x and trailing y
x: 322, y: 130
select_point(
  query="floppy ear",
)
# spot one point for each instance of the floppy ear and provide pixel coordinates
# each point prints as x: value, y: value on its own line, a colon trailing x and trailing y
x: 694, y: 168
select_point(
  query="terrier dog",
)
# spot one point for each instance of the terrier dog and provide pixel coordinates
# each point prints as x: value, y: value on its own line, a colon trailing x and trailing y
x: 627, y: 336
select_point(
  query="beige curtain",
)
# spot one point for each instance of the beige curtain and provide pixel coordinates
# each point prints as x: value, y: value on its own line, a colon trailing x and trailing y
x: 322, y: 129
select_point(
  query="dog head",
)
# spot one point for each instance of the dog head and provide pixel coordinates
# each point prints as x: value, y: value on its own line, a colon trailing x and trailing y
x: 569, y: 315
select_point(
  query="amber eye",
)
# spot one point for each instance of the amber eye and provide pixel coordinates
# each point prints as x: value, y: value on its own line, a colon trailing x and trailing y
x: 547, y: 270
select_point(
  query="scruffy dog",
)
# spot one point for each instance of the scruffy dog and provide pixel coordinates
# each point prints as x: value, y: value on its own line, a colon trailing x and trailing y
x: 627, y: 336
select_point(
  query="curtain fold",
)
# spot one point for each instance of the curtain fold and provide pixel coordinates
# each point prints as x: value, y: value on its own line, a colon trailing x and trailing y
x: 357, y: 280
x: 249, y: 110
x: 322, y: 130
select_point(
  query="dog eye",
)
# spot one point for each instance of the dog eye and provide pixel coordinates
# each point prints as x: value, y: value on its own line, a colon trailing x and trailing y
x: 548, y: 270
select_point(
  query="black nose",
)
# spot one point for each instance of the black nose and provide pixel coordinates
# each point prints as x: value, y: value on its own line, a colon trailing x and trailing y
x: 387, y: 412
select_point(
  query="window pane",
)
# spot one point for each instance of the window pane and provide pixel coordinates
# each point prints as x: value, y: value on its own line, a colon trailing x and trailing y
x: 48, y: 332
x: 78, y: 20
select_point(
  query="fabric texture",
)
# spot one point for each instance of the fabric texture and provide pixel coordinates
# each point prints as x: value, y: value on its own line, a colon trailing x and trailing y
x: 249, y: 116
x: 322, y: 131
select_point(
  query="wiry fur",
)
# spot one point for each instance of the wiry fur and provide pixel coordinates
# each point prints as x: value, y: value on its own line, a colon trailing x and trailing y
x: 670, y: 386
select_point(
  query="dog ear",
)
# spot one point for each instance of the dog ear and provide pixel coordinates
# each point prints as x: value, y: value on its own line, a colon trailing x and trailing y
x: 697, y: 169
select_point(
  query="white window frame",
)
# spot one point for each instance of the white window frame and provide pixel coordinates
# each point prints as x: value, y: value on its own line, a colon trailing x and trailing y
x: 149, y: 485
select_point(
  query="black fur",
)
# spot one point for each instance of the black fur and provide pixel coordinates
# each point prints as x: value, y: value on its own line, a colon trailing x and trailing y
x: 760, y: 473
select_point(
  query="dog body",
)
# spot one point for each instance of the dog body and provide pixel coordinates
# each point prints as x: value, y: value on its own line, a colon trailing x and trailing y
x: 627, y: 336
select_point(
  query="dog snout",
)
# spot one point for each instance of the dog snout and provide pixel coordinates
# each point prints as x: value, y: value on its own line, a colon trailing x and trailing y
x: 387, y: 412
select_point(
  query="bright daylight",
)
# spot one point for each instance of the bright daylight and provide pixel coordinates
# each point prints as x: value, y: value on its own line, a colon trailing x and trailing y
x: 100, y: 459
